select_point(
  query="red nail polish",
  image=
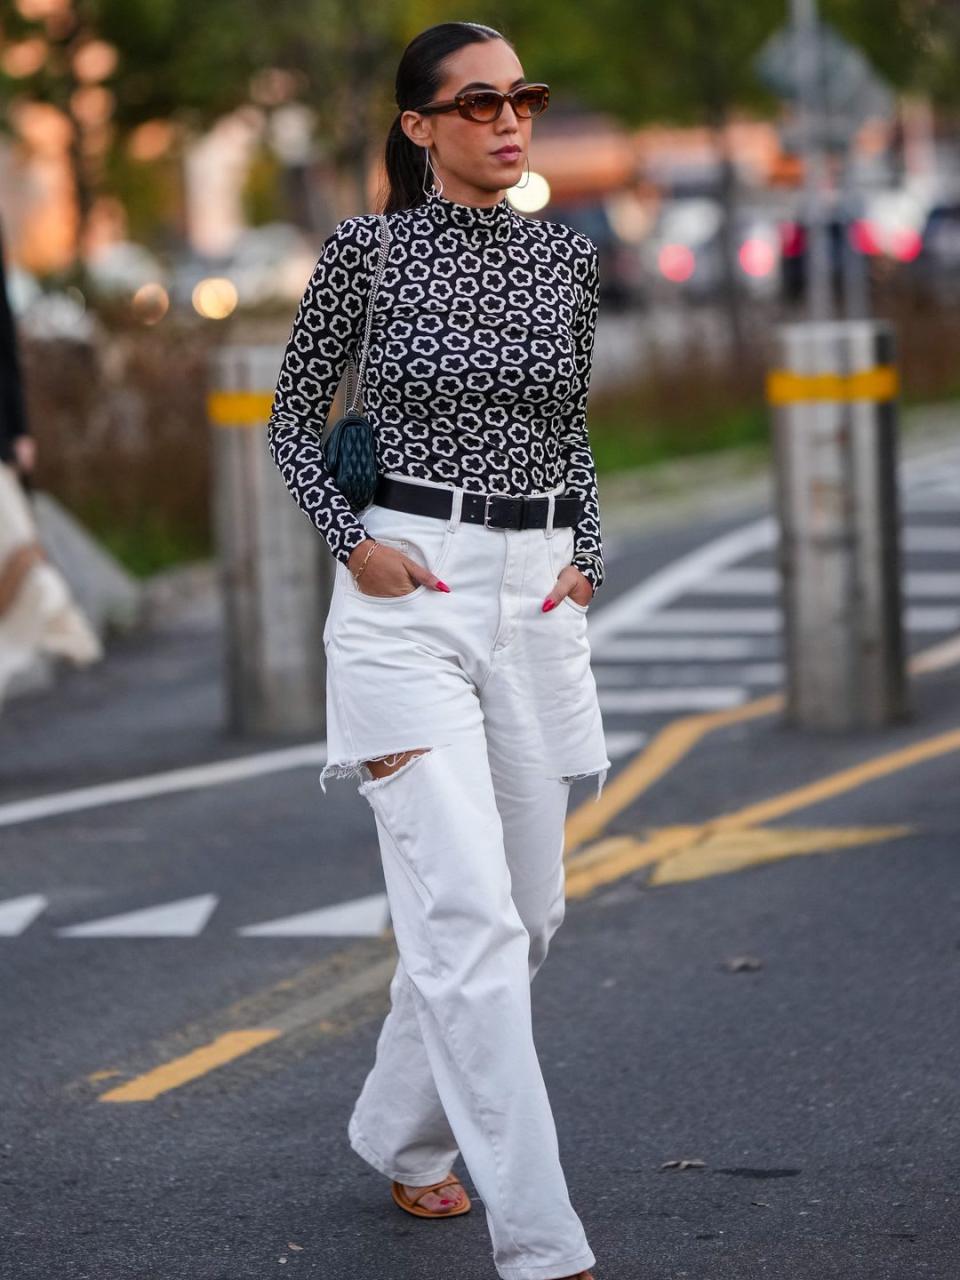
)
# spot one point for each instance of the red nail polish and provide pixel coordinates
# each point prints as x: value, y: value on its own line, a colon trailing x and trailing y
x: 442, y: 586
x: 547, y: 606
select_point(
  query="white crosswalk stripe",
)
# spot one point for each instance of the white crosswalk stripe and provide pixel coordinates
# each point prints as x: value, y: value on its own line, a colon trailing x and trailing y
x: 183, y: 919
x: 363, y: 917
x: 934, y: 538
x: 661, y: 648
x: 738, y: 621
x: 931, y: 584
x: 741, y: 582
x: 766, y: 582
x: 681, y: 675
x: 770, y: 621
x: 17, y: 914
x: 676, y: 649
x: 713, y: 698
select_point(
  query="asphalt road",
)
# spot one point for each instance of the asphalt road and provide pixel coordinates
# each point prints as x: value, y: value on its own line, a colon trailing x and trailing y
x: 758, y: 970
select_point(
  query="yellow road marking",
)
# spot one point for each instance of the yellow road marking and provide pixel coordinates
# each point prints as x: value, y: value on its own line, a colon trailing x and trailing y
x: 586, y: 871
x: 678, y: 738
x: 725, y: 851
x: 667, y: 749
x: 619, y: 856
x: 835, y: 784
x: 786, y: 387
x: 314, y: 1011
x: 239, y: 408
x: 231, y: 1045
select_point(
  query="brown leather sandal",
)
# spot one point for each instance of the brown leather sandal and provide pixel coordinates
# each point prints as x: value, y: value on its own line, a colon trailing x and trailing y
x: 412, y: 1205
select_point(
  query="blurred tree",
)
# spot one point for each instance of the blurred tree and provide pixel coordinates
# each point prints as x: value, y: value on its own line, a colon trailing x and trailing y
x: 691, y: 61
x: 262, y: 188
x: 935, y: 31
x: 688, y: 61
x: 112, y: 66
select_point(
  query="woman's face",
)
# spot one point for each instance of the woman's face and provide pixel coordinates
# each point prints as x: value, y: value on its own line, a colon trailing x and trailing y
x: 462, y: 152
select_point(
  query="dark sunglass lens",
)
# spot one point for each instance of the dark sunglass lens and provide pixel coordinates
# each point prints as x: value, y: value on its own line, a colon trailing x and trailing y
x: 530, y: 102
x: 482, y: 106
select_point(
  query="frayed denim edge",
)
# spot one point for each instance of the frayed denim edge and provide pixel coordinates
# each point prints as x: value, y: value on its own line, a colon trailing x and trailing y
x: 601, y: 775
x: 357, y: 768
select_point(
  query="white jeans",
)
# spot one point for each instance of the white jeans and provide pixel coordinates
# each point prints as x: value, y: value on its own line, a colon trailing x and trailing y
x: 471, y: 841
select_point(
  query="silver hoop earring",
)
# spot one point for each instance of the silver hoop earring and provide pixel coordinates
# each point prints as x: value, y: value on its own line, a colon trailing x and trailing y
x: 518, y: 185
x: 428, y: 168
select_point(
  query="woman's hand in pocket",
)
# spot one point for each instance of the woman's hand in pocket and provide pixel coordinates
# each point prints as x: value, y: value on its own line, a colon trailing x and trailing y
x: 570, y: 582
x: 389, y: 572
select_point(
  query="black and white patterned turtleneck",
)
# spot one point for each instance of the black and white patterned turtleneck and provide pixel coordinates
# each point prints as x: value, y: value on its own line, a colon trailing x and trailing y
x: 478, y: 365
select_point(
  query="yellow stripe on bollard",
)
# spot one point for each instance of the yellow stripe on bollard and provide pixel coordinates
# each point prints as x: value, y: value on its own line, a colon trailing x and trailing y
x: 879, y: 383
x: 239, y: 408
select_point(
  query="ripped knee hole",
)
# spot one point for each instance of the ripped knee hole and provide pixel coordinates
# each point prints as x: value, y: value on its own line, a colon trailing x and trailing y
x: 384, y: 766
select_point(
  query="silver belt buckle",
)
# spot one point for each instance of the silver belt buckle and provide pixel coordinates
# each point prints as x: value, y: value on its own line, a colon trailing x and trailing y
x: 486, y: 509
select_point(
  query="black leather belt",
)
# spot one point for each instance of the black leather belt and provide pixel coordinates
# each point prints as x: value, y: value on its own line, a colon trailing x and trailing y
x: 493, y: 510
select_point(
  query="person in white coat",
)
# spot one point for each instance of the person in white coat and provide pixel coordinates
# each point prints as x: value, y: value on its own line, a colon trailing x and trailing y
x: 37, y: 611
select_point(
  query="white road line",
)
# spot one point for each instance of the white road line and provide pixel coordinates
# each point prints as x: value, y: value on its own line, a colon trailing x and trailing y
x: 158, y: 784
x: 769, y: 621
x: 923, y: 585
x: 930, y: 538
x: 634, y: 649
x: 169, y: 782
x: 619, y: 701
x: 741, y: 582
x: 671, y: 582
x: 947, y: 502
x: 680, y: 675
x: 362, y: 918
x: 932, y: 618
x: 766, y: 582
x: 17, y: 914
x: 687, y: 621
x: 183, y: 919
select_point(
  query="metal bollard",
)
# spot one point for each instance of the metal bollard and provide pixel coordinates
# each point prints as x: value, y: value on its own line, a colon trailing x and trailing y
x: 274, y: 570
x: 834, y: 417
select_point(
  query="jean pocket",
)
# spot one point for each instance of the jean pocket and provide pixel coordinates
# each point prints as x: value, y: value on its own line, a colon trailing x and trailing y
x: 580, y: 608
x: 559, y: 555
x: 427, y: 546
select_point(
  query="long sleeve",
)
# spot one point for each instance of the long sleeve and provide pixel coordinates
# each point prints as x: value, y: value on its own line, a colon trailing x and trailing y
x: 327, y: 329
x: 580, y: 471
x: 13, y: 420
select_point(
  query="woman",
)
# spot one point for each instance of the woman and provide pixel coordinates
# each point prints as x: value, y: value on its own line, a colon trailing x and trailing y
x: 38, y: 614
x: 466, y: 706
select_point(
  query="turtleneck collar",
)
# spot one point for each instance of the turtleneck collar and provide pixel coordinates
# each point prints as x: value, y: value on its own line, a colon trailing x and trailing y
x: 491, y: 221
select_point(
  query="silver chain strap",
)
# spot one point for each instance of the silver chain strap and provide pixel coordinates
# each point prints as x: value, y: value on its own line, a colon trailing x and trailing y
x: 353, y: 396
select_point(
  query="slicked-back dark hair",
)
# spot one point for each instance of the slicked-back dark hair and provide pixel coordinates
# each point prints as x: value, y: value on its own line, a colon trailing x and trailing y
x: 419, y: 75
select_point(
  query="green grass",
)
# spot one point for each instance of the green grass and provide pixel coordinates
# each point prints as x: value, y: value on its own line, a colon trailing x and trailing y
x: 625, y: 439
x: 146, y: 545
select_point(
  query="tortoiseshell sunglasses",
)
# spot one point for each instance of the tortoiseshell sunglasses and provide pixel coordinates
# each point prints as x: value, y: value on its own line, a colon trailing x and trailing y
x: 485, y: 105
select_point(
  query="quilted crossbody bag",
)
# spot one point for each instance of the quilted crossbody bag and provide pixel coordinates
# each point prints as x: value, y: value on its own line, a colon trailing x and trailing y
x: 349, y: 450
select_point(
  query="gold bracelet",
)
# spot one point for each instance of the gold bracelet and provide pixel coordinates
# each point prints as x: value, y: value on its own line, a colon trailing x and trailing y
x: 365, y: 559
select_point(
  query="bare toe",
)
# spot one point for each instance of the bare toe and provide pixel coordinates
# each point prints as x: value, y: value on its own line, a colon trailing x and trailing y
x: 433, y: 1200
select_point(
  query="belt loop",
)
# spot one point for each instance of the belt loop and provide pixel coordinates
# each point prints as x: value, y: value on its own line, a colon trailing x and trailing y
x: 456, y: 506
x: 551, y: 502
